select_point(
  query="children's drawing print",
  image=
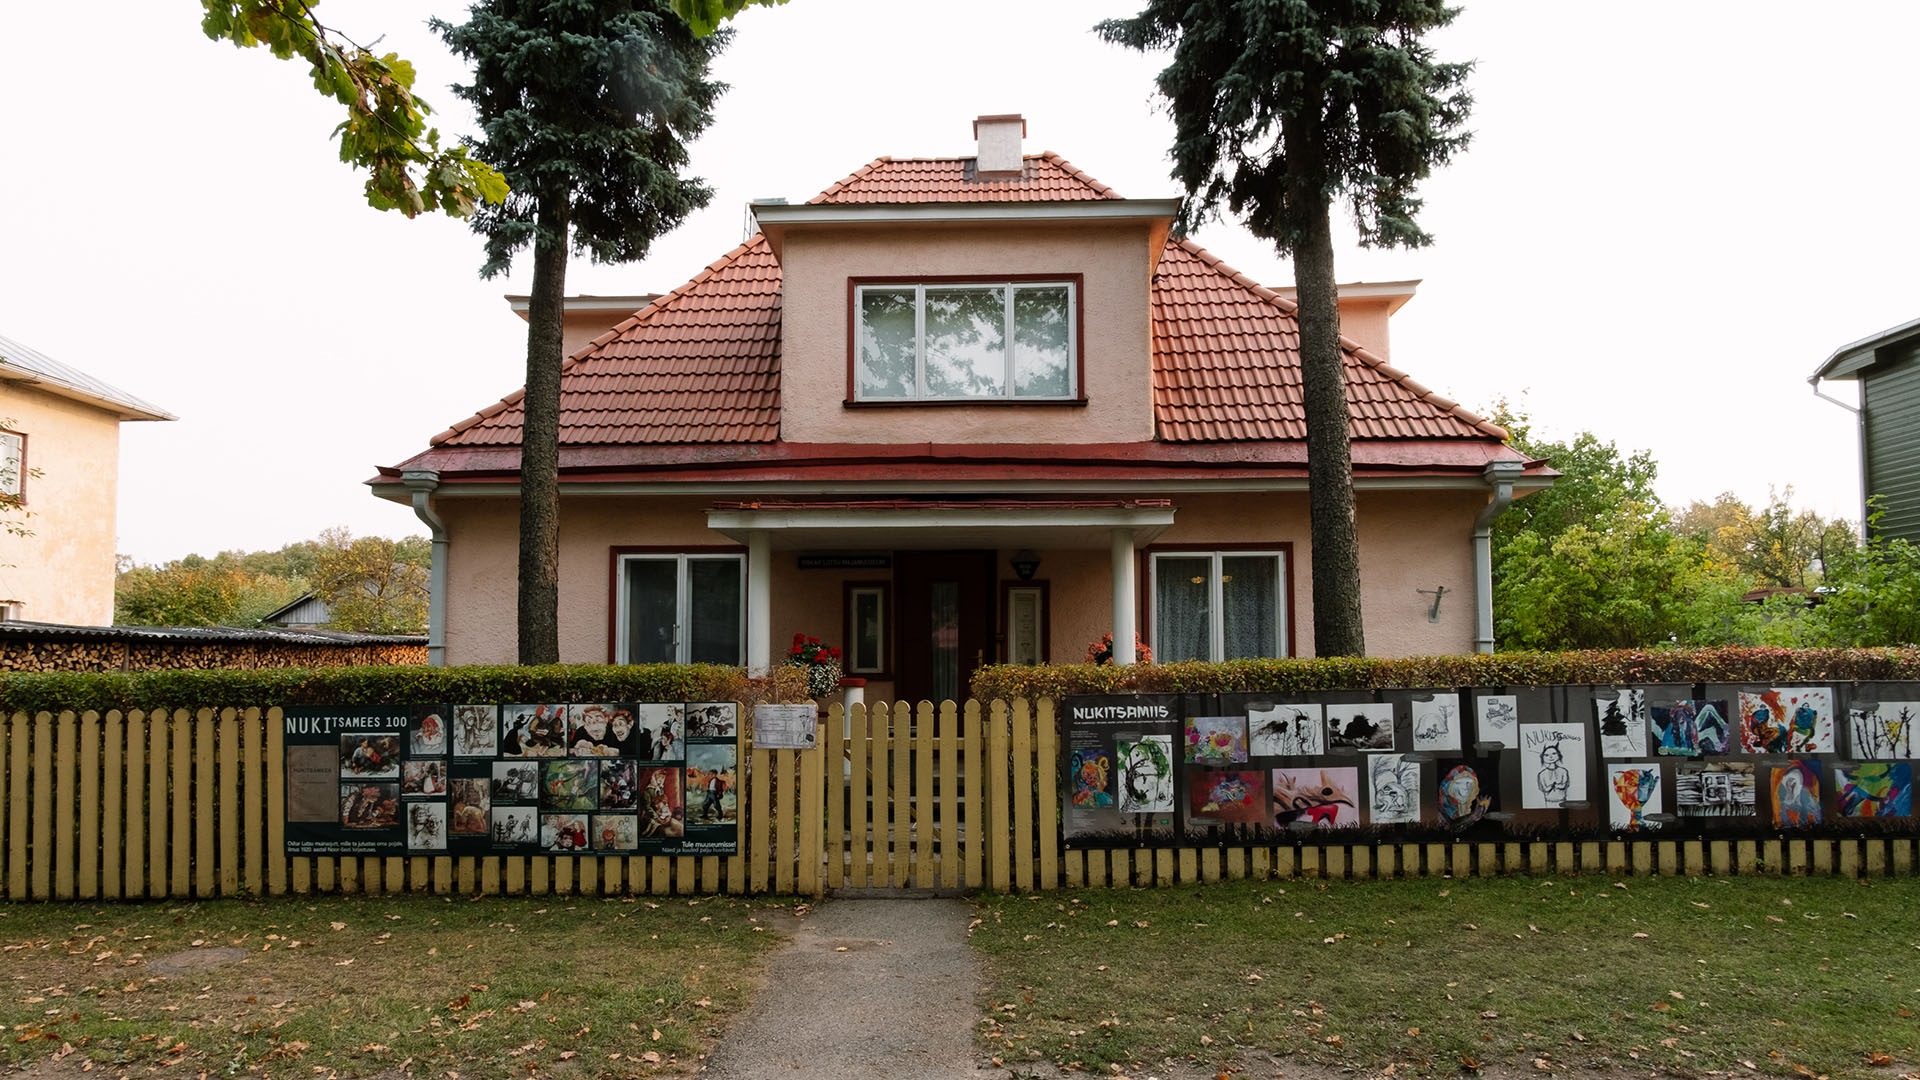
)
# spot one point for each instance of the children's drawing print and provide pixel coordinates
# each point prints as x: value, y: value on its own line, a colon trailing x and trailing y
x: 1633, y: 792
x: 1715, y: 789
x: 1883, y: 731
x: 1367, y: 726
x: 1090, y: 777
x: 1796, y: 794
x: 1688, y: 728
x: 1216, y: 740
x: 1499, y: 719
x: 1437, y: 722
x: 1328, y: 798
x: 1146, y: 774
x: 1880, y: 789
x: 1467, y: 790
x: 474, y: 734
x: 1287, y: 731
x: 1393, y: 790
x: 1225, y: 797
x: 1553, y: 765
x: 1791, y: 720
x: 1621, y: 716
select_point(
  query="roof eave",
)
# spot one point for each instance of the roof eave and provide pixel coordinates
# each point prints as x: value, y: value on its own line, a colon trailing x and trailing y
x: 778, y: 219
x: 1848, y: 361
x: 122, y: 409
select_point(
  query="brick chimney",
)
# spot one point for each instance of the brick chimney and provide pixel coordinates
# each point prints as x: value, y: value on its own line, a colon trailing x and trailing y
x: 999, y: 157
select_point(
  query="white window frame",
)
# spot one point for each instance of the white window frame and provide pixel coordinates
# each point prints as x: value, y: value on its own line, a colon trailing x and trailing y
x: 851, y: 653
x: 13, y: 462
x: 1009, y: 392
x: 1216, y: 605
x: 683, y: 594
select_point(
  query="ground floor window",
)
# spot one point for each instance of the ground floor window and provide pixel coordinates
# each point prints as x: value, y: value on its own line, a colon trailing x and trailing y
x: 1218, y: 605
x: 866, y: 610
x: 681, y: 609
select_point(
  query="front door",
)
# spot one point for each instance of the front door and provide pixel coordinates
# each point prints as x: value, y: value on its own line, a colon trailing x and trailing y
x: 944, y: 605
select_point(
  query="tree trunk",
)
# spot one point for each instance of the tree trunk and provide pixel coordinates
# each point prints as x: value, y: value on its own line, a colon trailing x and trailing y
x: 1335, y: 537
x: 539, y: 616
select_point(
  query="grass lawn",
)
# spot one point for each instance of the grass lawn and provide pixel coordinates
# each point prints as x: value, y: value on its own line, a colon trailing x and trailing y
x: 313, y: 987
x: 1784, y: 977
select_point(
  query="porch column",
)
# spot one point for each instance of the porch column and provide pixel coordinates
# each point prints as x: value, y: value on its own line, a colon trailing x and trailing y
x: 1123, y: 628
x: 759, y: 602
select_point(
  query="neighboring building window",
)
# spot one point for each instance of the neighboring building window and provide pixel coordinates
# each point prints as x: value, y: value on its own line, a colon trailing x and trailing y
x: 866, y: 651
x: 13, y: 463
x: 1218, y: 605
x: 681, y: 609
x: 1011, y: 340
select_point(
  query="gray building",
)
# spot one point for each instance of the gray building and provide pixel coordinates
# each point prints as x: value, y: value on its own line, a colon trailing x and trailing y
x: 1887, y: 367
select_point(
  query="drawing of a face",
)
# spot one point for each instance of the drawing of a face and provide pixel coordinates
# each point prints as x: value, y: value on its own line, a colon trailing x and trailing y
x: 1389, y: 792
x: 594, y: 722
x: 622, y: 725
x: 1462, y: 786
x: 1550, y: 756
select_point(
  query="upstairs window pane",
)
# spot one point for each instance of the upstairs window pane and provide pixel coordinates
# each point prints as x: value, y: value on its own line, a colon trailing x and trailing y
x: 888, y: 338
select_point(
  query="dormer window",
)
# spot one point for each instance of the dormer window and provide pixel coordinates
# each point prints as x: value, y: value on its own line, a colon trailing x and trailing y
x: 973, y: 341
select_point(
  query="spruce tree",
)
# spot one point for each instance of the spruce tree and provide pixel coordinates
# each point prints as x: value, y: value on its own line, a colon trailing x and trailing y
x: 1280, y: 109
x: 587, y: 107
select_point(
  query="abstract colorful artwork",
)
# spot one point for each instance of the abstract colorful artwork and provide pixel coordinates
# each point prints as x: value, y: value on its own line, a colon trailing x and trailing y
x: 1393, y: 790
x: 1146, y: 774
x: 1367, y: 726
x: 1090, y: 774
x: 1884, y: 730
x: 1467, y: 792
x: 1880, y: 789
x: 1216, y: 740
x: 1553, y: 765
x: 1796, y: 795
x: 1716, y: 789
x: 1437, y: 723
x: 1688, y: 728
x: 1287, y: 731
x: 1633, y: 792
x: 1791, y: 720
x: 1499, y: 718
x: 1328, y: 798
x: 1225, y: 797
x: 1621, y: 716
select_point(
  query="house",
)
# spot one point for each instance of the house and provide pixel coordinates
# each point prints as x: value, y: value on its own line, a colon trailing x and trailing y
x: 1887, y: 367
x: 60, y: 457
x: 951, y: 411
x: 301, y: 613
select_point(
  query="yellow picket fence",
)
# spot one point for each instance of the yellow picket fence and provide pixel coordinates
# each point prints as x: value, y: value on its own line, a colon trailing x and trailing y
x: 178, y: 804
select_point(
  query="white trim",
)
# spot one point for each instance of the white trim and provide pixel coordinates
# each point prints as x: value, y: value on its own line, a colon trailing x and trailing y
x: 1216, y: 607
x: 682, y: 594
x: 882, y: 486
x: 783, y: 214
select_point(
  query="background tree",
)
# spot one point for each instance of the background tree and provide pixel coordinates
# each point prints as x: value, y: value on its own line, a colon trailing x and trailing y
x: 199, y: 591
x: 1776, y: 545
x: 1280, y: 108
x: 587, y: 107
x: 385, y: 131
x: 372, y: 585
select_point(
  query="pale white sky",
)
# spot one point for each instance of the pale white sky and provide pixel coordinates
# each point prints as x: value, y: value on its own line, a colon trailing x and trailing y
x: 1670, y: 215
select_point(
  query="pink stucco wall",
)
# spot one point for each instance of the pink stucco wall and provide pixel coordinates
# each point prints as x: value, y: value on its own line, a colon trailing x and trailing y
x: 816, y: 266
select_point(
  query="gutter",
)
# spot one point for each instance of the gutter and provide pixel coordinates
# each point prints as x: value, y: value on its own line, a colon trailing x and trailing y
x: 1860, y: 418
x: 1501, y: 476
x: 422, y: 482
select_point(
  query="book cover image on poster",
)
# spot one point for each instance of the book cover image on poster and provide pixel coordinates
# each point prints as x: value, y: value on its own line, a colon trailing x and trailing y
x: 650, y: 778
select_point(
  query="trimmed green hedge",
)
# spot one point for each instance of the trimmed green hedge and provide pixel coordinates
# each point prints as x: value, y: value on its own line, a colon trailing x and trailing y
x: 1722, y: 665
x: 81, y: 691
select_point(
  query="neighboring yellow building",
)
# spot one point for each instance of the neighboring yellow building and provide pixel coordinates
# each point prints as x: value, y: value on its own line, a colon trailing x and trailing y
x: 60, y: 453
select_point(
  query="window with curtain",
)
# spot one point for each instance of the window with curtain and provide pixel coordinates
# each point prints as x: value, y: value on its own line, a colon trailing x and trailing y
x: 1218, y: 605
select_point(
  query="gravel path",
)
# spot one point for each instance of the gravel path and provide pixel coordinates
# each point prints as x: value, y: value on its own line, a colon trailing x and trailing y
x: 865, y: 988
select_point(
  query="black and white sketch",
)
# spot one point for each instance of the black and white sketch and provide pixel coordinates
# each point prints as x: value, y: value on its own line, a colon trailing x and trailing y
x: 516, y: 781
x: 713, y: 719
x: 1883, y: 731
x: 1146, y: 774
x: 1499, y: 719
x: 1393, y: 790
x: 474, y: 731
x: 1621, y: 716
x: 1714, y: 789
x: 1553, y: 765
x: 516, y: 825
x: 427, y: 826
x: 1287, y: 731
x: 1436, y: 722
x: 1365, y: 726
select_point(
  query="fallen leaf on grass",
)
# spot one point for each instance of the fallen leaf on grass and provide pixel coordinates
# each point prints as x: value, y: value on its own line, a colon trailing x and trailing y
x: 1469, y: 1063
x: 1489, y: 1015
x: 1637, y: 936
x: 1879, y: 1059
x: 339, y: 926
x: 651, y: 1057
x: 1660, y: 1006
x: 1676, y: 995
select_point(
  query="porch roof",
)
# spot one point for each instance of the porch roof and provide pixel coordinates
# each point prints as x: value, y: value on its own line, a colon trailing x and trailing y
x: 891, y: 524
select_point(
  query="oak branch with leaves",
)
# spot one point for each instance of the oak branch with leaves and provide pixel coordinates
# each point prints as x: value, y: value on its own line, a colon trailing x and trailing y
x: 385, y: 131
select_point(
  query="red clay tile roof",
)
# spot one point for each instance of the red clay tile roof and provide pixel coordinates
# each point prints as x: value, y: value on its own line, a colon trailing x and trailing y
x: 1046, y: 177
x: 699, y: 365
x: 1226, y: 366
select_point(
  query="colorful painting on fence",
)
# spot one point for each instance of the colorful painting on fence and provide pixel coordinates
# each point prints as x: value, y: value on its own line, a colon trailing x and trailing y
x: 1323, y: 798
x: 1796, y: 794
x: 1146, y: 774
x: 1715, y: 789
x: 1633, y: 792
x: 1225, y: 797
x: 1621, y: 717
x: 1883, y: 730
x: 1393, y: 790
x: 1437, y: 723
x: 1685, y: 727
x: 1876, y: 789
x: 1365, y: 726
x: 1216, y: 740
x: 1791, y: 720
x: 1499, y: 719
x: 1287, y: 731
x: 1553, y: 765
x: 495, y: 780
x: 1467, y: 792
x: 1092, y: 774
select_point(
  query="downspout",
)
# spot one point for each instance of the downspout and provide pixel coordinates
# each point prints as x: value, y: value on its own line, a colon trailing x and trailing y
x: 422, y: 483
x: 1500, y: 475
x: 1860, y: 417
